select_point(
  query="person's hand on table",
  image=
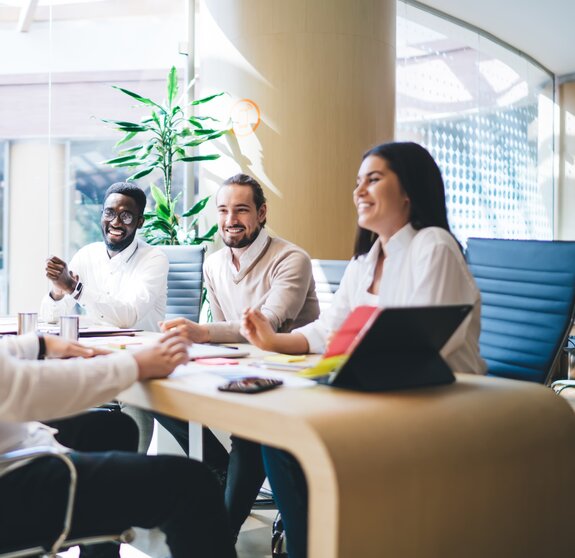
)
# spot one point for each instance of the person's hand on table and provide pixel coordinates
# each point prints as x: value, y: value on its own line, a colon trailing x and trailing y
x: 257, y: 330
x: 160, y: 360
x: 191, y: 331
x: 56, y: 347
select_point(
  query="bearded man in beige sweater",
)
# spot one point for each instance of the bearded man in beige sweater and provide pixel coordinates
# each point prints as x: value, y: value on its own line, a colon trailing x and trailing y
x: 255, y: 270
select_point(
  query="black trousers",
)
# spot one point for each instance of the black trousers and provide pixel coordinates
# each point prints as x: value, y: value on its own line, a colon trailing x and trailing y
x: 244, y: 465
x: 97, y: 430
x: 116, y: 491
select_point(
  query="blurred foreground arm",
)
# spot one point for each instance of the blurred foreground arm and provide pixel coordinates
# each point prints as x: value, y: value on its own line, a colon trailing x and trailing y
x: 47, y: 389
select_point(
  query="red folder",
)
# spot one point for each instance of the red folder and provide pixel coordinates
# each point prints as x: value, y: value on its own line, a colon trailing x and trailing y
x: 351, y: 331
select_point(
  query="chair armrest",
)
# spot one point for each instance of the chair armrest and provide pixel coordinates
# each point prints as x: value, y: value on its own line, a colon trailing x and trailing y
x: 559, y: 385
x: 27, y: 454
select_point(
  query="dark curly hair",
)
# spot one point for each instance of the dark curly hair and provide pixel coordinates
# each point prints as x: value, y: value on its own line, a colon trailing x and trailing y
x: 130, y: 189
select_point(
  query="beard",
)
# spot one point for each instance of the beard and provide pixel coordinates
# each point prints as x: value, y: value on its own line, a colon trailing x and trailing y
x: 241, y: 242
x: 121, y: 244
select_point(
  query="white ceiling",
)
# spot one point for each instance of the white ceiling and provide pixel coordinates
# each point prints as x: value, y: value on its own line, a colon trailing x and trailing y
x: 543, y: 29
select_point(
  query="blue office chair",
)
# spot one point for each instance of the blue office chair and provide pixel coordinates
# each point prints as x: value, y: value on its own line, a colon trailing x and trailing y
x: 184, y: 281
x: 528, y: 299
x: 327, y: 275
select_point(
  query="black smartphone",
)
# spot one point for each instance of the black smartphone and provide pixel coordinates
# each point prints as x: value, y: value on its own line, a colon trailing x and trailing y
x: 251, y: 385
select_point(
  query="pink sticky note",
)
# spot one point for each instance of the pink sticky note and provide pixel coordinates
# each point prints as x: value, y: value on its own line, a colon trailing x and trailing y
x: 216, y: 361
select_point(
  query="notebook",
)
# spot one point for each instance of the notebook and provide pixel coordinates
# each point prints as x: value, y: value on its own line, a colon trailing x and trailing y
x: 394, y: 348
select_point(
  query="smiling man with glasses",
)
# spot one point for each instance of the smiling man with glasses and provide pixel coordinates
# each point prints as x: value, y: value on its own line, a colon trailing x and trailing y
x: 121, y: 281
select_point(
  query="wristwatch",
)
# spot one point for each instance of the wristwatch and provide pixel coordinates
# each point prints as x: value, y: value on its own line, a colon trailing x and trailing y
x: 77, y: 290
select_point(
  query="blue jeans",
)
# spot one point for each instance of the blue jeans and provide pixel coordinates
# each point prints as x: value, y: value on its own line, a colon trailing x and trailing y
x: 290, y: 492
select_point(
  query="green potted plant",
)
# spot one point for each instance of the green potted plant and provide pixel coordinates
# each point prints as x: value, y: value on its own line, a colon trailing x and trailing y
x: 168, y: 137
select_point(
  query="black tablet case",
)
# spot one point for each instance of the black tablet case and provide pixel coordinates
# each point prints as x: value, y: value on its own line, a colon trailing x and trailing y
x: 401, y: 350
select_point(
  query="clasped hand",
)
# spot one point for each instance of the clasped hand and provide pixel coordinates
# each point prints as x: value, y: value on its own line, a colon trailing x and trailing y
x: 63, y: 279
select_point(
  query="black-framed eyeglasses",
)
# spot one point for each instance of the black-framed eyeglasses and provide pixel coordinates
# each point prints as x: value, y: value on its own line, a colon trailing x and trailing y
x: 125, y: 216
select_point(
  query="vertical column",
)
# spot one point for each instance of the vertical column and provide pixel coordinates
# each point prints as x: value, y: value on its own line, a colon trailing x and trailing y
x: 566, y: 191
x: 36, y: 226
x: 321, y: 74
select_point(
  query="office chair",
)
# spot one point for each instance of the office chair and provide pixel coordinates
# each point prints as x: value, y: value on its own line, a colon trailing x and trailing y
x: 184, y: 281
x: 528, y: 300
x: 327, y: 275
x: 49, y: 548
x: 185, y: 287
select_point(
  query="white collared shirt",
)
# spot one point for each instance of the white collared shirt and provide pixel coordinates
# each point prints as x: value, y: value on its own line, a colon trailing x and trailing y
x: 128, y: 290
x: 421, y: 268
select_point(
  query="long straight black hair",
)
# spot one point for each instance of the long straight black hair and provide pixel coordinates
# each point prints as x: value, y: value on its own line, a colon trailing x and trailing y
x: 421, y: 180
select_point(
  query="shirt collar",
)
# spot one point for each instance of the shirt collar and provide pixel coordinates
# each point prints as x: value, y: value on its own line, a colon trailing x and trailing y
x: 251, y: 254
x: 399, y: 241
x: 126, y: 254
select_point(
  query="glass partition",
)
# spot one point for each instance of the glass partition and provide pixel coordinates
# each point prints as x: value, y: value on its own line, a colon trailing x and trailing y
x: 59, y: 62
x: 485, y: 113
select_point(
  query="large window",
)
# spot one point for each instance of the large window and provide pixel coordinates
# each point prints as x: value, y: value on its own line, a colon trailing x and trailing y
x: 486, y: 115
x: 56, y: 75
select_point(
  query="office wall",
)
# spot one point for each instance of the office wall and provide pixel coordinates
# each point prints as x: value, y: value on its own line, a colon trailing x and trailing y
x: 322, y: 74
x: 36, y: 227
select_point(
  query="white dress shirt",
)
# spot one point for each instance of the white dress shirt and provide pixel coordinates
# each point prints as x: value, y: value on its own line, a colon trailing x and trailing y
x: 45, y: 389
x: 128, y: 290
x: 421, y: 268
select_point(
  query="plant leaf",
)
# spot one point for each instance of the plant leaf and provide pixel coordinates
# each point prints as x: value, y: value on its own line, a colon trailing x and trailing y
x: 197, y: 207
x: 206, y: 99
x: 158, y: 195
x: 126, y: 126
x: 125, y: 139
x: 199, y: 158
x: 202, y: 139
x: 139, y: 98
x: 172, y: 85
x: 209, y: 236
x: 141, y: 173
x: 122, y: 159
x: 130, y: 150
x: 159, y: 224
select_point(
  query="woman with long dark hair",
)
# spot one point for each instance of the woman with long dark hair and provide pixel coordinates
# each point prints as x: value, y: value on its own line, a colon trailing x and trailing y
x: 405, y: 255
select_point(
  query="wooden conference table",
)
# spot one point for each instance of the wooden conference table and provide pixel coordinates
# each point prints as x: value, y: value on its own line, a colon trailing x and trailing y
x: 452, y: 471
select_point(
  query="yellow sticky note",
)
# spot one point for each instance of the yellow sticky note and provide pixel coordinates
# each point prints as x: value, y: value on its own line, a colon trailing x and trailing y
x: 324, y: 367
x: 283, y: 359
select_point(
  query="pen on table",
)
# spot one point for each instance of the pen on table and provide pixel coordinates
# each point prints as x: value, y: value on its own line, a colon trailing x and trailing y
x: 221, y: 346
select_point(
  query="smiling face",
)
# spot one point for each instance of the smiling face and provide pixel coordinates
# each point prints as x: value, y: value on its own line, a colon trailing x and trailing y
x: 117, y: 234
x: 239, y: 221
x: 382, y: 205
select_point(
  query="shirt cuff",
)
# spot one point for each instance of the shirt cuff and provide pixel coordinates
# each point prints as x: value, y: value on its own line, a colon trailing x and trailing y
x: 315, y: 335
